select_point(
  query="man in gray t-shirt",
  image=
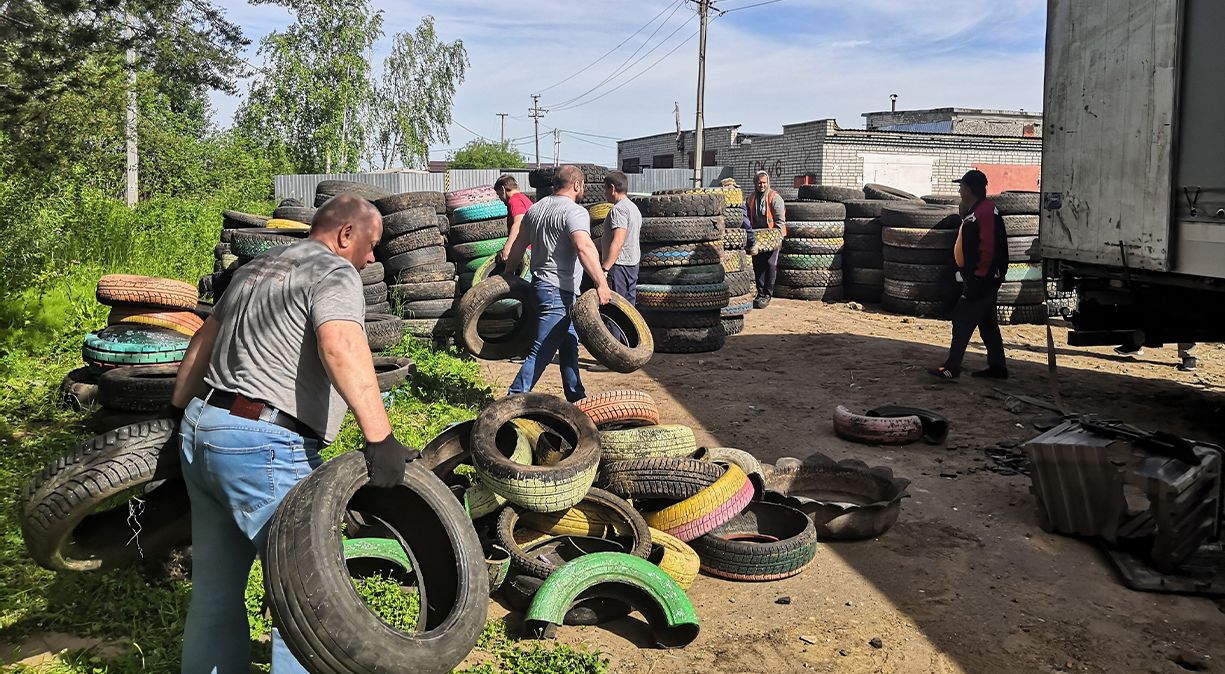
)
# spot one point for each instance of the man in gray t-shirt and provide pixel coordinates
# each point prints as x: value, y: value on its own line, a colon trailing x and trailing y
x: 559, y: 231
x: 619, y: 251
x: 264, y: 383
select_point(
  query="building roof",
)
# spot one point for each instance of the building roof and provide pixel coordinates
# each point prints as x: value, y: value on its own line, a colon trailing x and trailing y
x: 960, y: 111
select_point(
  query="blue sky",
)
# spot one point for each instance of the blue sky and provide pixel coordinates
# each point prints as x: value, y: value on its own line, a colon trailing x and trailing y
x: 781, y: 63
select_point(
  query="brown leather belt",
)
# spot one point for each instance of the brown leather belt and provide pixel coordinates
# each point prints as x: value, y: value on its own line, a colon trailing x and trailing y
x: 240, y: 405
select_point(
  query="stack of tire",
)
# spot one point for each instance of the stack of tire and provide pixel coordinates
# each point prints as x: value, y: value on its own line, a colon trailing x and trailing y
x: 212, y: 286
x: 326, y: 189
x: 477, y: 232
x: 135, y: 359
x: 1023, y: 295
x: 919, y: 270
x: 418, y: 279
x: 682, y: 282
x: 593, y: 179
x: 810, y: 265
x: 737, y: 266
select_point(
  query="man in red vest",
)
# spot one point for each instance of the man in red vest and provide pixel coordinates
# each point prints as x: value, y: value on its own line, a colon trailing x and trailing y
x: 765, y: 210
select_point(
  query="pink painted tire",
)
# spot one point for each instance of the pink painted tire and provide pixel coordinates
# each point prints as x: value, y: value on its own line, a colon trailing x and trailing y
x: 723, y: 514
x: 877, y: 430
x: 469, y: 196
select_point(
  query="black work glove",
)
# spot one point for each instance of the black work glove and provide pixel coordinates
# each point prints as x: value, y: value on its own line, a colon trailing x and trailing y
x: 385, y: 461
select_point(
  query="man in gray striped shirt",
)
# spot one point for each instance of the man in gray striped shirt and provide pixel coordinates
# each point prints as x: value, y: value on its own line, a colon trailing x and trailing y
x: 559, y: 231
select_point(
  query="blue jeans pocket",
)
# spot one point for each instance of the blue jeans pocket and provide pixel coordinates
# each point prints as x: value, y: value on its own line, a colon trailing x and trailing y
x: 244, y: 476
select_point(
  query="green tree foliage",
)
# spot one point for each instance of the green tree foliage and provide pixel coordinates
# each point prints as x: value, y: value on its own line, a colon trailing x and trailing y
x: 54, y: 51
x: 484, y: 154
x: 411, y: 106
x: 307, y: 101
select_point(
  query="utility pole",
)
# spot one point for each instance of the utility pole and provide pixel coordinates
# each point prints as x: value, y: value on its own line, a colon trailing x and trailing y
x: 503, y: 116
x: 536, y: 113
x: 704, y: 11
x: 129, y: 127
x: 556, y: 146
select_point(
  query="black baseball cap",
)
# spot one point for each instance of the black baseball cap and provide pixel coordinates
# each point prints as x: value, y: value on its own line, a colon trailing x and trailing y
x: 974, y: 178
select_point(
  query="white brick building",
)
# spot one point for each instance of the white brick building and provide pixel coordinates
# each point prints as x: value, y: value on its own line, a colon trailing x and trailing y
x: 919, y: 151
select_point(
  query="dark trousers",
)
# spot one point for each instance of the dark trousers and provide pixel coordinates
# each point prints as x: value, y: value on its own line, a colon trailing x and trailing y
x: 623, y: 280
x: 976, y: 309
x: 765, y: 266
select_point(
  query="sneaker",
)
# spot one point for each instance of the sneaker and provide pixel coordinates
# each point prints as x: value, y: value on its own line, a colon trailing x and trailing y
x: 944, y: 373
x: 1188, y: 364
x: 1129, y: 350
x: 991, y: 373
x: 761, y: 302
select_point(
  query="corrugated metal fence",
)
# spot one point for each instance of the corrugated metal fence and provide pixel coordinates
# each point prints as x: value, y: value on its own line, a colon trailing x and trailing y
x: 302, y: 186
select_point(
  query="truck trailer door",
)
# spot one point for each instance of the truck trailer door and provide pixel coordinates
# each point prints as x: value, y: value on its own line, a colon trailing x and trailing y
x: 1108, y: 129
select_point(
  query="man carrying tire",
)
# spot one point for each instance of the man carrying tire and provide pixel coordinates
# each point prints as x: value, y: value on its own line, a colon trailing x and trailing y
x: 264, y: 384
x: 619, y: 250
x: 517, y: 204
x: 765, y: 210
x: 559, y: 232
x: 981, y: 253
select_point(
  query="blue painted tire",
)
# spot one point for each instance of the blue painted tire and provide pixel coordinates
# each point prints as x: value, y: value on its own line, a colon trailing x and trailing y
x: 474, y: 212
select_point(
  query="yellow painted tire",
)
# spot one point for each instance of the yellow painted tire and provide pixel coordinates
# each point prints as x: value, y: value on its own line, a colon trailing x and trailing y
x: 599, y: 212
x: 707, y: 509
x: 675, y: 558
x: 282, y: 223
x: 647, y: 442
x: 588, y: 518
x: 481, y: 500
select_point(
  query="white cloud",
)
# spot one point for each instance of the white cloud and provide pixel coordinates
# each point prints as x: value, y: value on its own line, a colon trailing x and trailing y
x: 788, y: 62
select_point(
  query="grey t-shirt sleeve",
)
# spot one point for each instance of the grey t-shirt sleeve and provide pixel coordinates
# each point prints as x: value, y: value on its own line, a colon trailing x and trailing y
x: 780, y: 208
x: 617, y: 219
x: 578, y: 220
x: 338, y: 297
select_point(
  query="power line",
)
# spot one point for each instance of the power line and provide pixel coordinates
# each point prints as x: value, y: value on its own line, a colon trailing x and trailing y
x: 457, y: 123
x: 737, y: 9
x: 636, y: 76
x: 591, y: 135
x: 624, y: 67
x: 589, y: 142
x: 610, y: 51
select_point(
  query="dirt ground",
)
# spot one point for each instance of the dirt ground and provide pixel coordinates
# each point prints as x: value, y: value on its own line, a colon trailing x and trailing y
x: 966, y: 581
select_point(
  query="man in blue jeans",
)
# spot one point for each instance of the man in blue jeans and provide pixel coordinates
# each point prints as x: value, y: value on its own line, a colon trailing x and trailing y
x: 559, y: 232
x: 265, y: 383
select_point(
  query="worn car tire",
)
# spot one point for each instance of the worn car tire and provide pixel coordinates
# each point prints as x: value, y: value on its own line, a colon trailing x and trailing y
x: 409, y: 220
x: 681, y: 230
x: 1024, y: 249
x: 682, y: 297
x: 919, y: 216
x: 183, y: 322
x: 647, y: 442
x: 480, y: 230
x: 884, y: 192
x: 919, y: 308
x: 1021, y: 225
x: 706, y: 510
x: 803, y: 261
x: 829, y: 193
x: 1017, y: 203
x: 620, y: 408
x: 422, y: 238
x: 924, y: 256
x: 367, y: 191
x: 393, y: 371
x: 765, y: 542
x: 127, y: 289
x: 412, y: 292
x: 810, y: 293
x: 137, y: 389
x: 681, y: 319
x: 383, y: 331
x: 589, y: 322
x: 832, y: 229
x: 415, y: 258
x: 1021, y: 314
x: 813, y: 246
x: 477, y: 301
x: 325, y: 624
x: 688, y: 340
x: 403, y: 201
x: 911, y: 237
x: 876, y: 430
x: 922, y: 291
x: 815, y: 211
x: 686, y: 254
x: 680, y: 205
x: 63, y: 532
x: 537, y: 488
x: 689, y: 275
x: 805, y: 278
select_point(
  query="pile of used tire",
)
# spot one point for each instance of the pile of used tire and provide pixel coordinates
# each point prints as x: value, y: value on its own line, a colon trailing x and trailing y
x: 1023, y: 295
x: 810, y: 265
x: 131, y: 365
x: 582, y: 497
x: 682, y: 282
x: 919, y: 270
x: 593, y: 179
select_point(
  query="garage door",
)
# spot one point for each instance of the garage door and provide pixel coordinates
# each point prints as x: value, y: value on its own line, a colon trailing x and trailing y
x: 909, y: 172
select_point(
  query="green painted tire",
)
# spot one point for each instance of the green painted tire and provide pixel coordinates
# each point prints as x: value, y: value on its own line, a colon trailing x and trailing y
x: 698, y: 297
x: 134, y: 345
x: 615, y: 575
x: 537, y: 488
x: 474, y: 212
x: 491, y: 266
x: 385, y: 549
x: 765, y: 542
x: 796, y: 261
x: 647, y: 442
x: 477, y: 249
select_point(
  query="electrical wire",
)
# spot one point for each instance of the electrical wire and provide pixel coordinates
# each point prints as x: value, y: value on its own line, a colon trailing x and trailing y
x: 626, y: 65
x: 589, y: 142
x: 737, y: 9
x: 610, y: 51
x: 457, y: 123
